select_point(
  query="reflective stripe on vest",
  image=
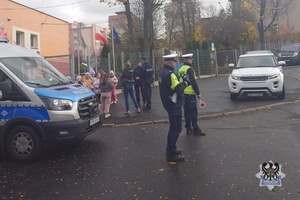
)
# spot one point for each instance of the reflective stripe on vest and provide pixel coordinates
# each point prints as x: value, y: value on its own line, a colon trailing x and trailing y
x: 174, y: 81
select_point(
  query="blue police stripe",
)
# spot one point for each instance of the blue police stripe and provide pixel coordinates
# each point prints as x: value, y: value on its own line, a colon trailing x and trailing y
x: 6, y: 112
x: 37, y: 113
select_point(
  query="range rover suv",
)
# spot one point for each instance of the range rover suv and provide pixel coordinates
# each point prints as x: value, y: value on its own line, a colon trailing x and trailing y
x: 257, y: 74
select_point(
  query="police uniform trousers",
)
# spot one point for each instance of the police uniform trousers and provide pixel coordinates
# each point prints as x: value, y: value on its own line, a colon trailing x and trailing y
x: 175, y: 119
x: 138, y: 92
x: 147, y: 92
x: 190, y: 111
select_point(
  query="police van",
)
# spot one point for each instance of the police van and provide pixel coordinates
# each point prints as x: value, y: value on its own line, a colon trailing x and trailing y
x: 39, y: 106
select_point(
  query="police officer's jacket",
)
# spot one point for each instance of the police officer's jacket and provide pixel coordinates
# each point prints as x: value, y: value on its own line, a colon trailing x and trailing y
x: 138, y: 72
x: 193, y: 88
x: 171, y: 90
x: 148, y: 71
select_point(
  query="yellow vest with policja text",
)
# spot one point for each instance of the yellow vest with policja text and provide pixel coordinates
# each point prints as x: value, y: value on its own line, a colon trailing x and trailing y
x: 182, y: 71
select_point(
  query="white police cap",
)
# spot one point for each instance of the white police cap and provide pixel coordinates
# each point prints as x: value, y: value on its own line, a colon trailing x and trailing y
x: 187, y: 56
x: 171, y: 57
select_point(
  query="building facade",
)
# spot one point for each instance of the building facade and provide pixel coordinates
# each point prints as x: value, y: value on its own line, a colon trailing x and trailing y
x: 34, y: 30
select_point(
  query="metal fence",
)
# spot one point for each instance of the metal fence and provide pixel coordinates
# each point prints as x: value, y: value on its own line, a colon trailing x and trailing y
x: 205, y: 62
x: 64, y: 63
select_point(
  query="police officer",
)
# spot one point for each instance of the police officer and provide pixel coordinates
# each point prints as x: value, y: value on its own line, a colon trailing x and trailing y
x: 137, y: 73
x: 171, y: 94
x: 147, y: 79
x: 191, y: 94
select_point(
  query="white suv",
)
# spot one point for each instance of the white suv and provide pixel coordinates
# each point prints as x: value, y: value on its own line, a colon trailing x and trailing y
x: 257, y: 74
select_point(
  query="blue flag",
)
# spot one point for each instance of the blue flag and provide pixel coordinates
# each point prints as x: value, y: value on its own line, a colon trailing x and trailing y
x: 116, y: 35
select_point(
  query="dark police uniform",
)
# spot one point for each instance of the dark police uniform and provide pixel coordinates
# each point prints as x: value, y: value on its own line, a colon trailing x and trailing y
x: 190, y: 98
x: 147, y: 80
x: 138, y: 72
x: 171, y: 93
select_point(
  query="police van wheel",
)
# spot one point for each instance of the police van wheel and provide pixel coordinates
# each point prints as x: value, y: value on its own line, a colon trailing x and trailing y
x: 24, y: 144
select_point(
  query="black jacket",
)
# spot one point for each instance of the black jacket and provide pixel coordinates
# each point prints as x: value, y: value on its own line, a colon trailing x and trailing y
x: 172, y: 99
x: 127, y: 77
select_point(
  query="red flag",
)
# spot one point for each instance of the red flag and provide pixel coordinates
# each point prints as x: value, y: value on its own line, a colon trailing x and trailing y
x: 100, y: 37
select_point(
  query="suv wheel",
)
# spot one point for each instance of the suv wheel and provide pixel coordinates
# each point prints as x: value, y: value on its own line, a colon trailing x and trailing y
x: 233, y: 96
x: 281, y: 96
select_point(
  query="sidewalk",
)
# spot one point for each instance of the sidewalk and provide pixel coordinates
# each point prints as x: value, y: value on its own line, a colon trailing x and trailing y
x: 158, y: 114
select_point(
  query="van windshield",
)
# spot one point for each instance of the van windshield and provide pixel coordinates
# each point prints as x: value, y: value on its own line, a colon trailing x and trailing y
x: 35, y: 71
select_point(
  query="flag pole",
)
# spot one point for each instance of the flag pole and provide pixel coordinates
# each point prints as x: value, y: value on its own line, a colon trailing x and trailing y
x: 78, y: 46
x: 96, y: 53
x: 113, y: 49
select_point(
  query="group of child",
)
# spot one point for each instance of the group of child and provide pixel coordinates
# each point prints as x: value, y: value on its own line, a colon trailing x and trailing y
x: 104, y: 86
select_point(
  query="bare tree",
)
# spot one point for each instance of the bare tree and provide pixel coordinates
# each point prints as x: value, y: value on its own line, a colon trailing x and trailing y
x: 209, y: 11
x: 150, y: 7
x: 269, y: 12
x: 189, y: 14
x: 216, y: 29
x: 173, y: 24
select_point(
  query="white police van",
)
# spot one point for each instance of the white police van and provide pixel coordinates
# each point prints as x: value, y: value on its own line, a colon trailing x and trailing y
x: 39, y: 106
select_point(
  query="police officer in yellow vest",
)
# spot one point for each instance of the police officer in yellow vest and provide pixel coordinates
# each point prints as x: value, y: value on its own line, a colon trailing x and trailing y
x: 171, y: 94
x: 191, y: 94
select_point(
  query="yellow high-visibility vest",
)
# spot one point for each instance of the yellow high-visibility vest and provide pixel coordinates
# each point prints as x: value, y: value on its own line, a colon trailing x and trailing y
x: 182, y: 71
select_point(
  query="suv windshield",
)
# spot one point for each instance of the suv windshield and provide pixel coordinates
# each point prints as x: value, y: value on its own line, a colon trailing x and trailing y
x: 256, y: 61
x: 34, y: 71
x: 292, y: 47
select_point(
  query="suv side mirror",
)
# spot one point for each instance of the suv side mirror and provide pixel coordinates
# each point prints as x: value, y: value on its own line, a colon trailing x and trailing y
x: 281, y: 63
x: 231, y: 65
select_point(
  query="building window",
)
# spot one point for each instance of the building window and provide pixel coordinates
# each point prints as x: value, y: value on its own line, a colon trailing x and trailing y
x: 34, y: 41
x: 20, y: 38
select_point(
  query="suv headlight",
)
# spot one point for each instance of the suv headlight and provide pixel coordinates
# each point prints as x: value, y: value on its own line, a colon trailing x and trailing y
x: 295, y: 54
x: 57, y: 104
x: 236, y: 77
x: 273, y: 76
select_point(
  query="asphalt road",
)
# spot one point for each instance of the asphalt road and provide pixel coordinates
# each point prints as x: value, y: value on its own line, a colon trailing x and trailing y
x: 128, y: 161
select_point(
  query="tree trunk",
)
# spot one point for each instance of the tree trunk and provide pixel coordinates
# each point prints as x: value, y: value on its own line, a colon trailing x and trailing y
x: 130, y: 30
x: 261, y: 28
x: 147, y: 26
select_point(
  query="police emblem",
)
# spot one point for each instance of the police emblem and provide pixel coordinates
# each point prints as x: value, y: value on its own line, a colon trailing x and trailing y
x: 270, y: 175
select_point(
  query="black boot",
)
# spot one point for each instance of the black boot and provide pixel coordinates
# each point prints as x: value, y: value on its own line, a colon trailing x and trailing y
x: 176, y: 158
x: 189, y: 131
x: 198, y: 132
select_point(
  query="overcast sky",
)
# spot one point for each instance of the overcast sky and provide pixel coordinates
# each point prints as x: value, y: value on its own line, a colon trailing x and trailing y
x: 85, y: 11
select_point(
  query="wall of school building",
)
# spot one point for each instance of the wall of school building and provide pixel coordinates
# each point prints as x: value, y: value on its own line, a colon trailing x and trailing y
x: 34, y: 30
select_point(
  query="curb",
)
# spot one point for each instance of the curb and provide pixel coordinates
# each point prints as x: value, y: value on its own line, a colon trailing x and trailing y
x: 206, y: 117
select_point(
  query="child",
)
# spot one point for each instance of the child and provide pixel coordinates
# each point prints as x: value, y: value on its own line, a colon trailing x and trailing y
x: 106, y: 87
x: 114, y: 79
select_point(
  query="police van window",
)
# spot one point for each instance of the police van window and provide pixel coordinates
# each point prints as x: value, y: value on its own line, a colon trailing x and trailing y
x: 5, y: 87
x: 9, y: 90
x: 35, y: 72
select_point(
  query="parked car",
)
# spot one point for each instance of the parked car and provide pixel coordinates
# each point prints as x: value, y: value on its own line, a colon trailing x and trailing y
x: 256, y: 74
x: 290, y: 53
